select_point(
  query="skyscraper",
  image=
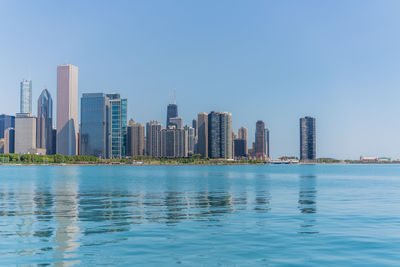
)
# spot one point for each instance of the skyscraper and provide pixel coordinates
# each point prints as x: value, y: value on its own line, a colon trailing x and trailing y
x: 174, y: 142
x: 118, y: 128
x: 307, y: 139
x: 44, y: 127
x: 202, y: 140
x: 190, y: 139
x: 25, y: 133
x: 153, y: 139
x: 9, y: 141
x: 6, y: 121
x: 95, y: 126
x: 220, y: 135
x: 178, y: 122
x: 25, y: 97
x: 267, y: 143
x: 172, y: 112
x: 260, y: 140
x: 67, y: 110
x: 240, y: 148
x: 136, y: 144
x: 243, y: 135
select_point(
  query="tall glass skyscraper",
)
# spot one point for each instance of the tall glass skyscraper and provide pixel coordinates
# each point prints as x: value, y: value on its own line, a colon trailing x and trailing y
x: 95, y: 127
x: 118, y: 125
x: 172, y: 112
x: 307, y: 139
x: 25, y: 104
x: 44, y: 127
x: 220, y: 135
x: 6, y: 121
x: 260, y: 141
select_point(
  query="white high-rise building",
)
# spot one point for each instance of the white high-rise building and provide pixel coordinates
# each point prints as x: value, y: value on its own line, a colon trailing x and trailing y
x: 67, y: 109
x: 25, y: 105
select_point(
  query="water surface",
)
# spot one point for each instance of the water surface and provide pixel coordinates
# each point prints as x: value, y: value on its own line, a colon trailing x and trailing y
x: 337, y: 215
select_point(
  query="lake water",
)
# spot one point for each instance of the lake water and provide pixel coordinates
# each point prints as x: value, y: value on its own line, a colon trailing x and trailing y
x: 338, y: 215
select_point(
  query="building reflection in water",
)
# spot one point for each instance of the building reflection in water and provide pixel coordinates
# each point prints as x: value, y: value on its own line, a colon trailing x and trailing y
x: 263, y: 196
x: 67, y: 233
x: 307, y: 203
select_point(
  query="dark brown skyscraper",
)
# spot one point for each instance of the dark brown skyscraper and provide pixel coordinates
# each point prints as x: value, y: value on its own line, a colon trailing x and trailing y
x: 260, y: 140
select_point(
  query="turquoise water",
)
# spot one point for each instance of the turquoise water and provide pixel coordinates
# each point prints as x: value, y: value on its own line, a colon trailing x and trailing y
x: 338, y: 215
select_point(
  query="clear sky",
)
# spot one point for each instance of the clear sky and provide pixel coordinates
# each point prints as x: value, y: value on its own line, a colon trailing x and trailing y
x: 277, y: 61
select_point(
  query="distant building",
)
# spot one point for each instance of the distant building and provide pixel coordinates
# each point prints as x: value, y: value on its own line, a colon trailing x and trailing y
x: 95, y: 126
x: 9, y: 141
x: 220, y: 135
x: 25, y: 97
x: 260, y: 140
x: 177, y: 122
x: 172, y: 112
x: 174, y: 143
x: 267, y: 143
x: 44, y: 127
x: 6, y: 122
x: 307, y: 139
x: 2, y: 144
x: 25, y: 133
x: 67, y: 110
x: 191, y: 139
x: 240, y: 148
x: 118, y: 125
x: 153, y: 139
x: 195, y: 127
x: 243, y: 134
x: 136, y: 140
x: 202, y: 137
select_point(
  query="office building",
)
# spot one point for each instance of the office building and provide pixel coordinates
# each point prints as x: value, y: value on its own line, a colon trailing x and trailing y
x: 6, y: 122
x: 67, y: 110
x: 153, y: 139
x: 25, y: 103
x: 220, y: 135
x: 44, y: 127
x: 267, y: 143
x: 243, y: 134
x: 95, y: 126
x: 191, y: 139
x: 172, y: 112
x: 25, y: 133
x: 202, y: 138
x: 2, y: 143
x: 177, y: 122
x: 260, y: 140
x: 9, y: 141
x: 174, y: 142
x: 307, y: 139
x: 118, y: 125
x: 240, y: 148
x: 195, y: 127
x: 136, y: 143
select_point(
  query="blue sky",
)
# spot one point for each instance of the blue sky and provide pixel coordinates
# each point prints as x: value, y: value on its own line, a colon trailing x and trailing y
x: 277, y: 61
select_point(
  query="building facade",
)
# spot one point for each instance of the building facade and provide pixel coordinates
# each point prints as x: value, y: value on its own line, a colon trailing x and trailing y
x: 240, y: 148
x: 202, y: 137
x: 67, y: 110
x: 136, y: 139
x: 174, y: 143
x: 307, y: 139
x: 25, y: 133
x: 243, y: 135
x: 44, y: 127
x: 172, y: 112
x: 9, y: 141
x: 260, y: 140
x: 25, y: 103
x: 267, y: 143
x: 118, y: 125
x: 191, y: 139
x: 153, y: 139
x: 220, y: 135
x: 6, y: 121
x: 177, y: 122
x: 95, y: 126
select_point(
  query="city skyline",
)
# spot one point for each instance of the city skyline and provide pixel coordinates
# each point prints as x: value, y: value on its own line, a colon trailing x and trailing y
x: 271, y: 73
